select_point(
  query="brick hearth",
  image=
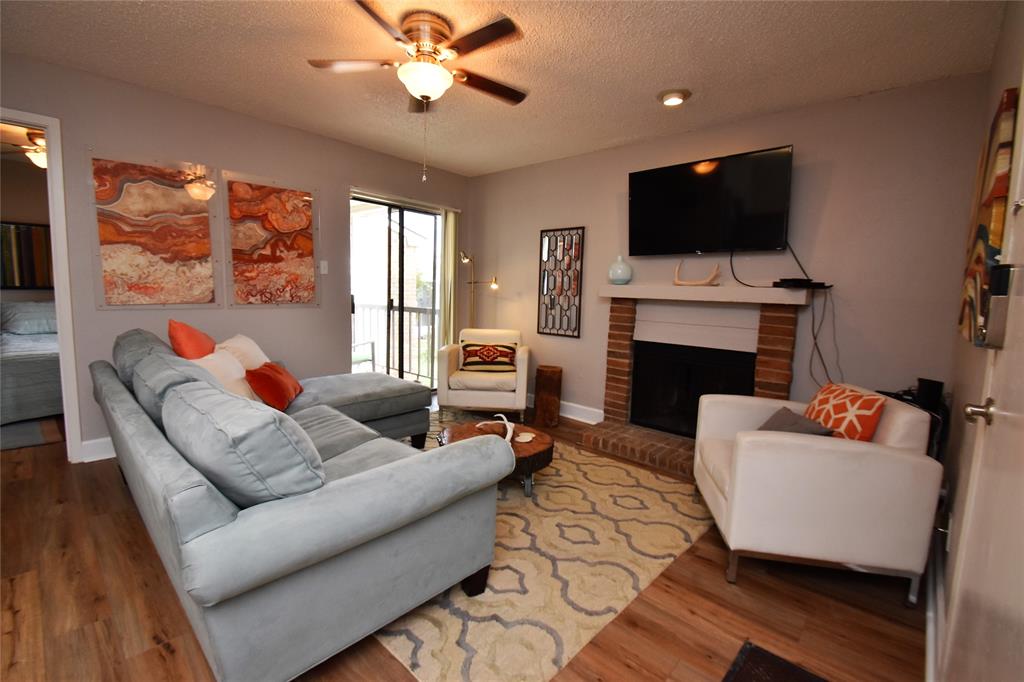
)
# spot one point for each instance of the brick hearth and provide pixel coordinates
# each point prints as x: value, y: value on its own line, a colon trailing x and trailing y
x: 773, y: 374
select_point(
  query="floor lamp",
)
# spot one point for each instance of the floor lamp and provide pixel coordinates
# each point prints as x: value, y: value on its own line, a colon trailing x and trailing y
x: 492, y: 283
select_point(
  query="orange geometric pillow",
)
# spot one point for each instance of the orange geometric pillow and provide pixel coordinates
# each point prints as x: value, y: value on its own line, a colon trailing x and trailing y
x: 849, y: 413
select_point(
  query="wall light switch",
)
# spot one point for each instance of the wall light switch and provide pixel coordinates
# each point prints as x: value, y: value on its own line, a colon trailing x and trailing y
x: 323, y: 267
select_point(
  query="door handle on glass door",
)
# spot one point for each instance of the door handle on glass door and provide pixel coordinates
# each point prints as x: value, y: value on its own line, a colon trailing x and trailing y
x: 973, y: 411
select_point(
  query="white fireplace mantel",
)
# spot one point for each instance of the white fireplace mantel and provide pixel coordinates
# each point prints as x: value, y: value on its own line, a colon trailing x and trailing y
x: 724, y: 294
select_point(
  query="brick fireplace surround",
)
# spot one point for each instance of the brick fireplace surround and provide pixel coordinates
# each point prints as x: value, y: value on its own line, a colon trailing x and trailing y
x: 773, y: 373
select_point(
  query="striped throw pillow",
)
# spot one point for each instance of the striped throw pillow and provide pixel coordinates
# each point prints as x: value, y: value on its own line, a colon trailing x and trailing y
x: 480, y: 357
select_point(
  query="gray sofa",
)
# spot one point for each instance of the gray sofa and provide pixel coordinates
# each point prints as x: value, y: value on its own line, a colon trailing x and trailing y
x: 275, y: 587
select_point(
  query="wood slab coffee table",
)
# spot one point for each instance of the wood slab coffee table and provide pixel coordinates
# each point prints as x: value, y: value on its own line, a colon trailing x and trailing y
x: 530, y: 457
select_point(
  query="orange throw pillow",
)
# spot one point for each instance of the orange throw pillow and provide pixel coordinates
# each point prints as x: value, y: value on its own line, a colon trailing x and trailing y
x: 848, y: 412
x: 189, y: 342
x: 274, y: 385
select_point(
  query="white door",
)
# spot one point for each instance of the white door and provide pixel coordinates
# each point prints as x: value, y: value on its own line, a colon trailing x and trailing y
x: 985, y: 638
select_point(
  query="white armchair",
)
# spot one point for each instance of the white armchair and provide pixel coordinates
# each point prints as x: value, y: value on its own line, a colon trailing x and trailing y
x: 869, y: 506
x: 483, y: 390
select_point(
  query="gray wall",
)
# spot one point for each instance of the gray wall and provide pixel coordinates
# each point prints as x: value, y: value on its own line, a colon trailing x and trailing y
x: 111, y: 119
x: 880, y: 202
x: 23, y: 199
x: 969, y: 361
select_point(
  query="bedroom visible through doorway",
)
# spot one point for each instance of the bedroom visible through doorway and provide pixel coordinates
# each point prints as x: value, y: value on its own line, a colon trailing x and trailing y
x: 31, y: 395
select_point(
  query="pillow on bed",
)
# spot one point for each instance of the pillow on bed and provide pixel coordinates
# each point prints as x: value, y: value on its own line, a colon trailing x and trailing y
x: 29, y: 317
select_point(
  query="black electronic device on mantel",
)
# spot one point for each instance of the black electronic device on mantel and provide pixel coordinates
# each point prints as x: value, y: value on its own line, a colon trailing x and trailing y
x: 727, y: 203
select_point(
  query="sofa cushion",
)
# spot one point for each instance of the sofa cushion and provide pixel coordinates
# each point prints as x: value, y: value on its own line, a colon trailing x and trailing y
x: 716, y: 455
x: 245, y: 350
x: 251, y: 452
x: 369, y: 455
x: 850, y: 412
x: 274, y: 385
x: 464, y: 380
x: 362, y: 396
x: 788, y: 421
x: 229, y: 372
x: 189, y: 342
x: 488, y: 357
x: 332, y: 432
x: 157, y: 373
x: 131, y: 347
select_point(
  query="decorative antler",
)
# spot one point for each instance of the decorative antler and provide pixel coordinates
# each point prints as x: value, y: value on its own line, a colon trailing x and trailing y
x: 509, y: 427
x: 708, y: 281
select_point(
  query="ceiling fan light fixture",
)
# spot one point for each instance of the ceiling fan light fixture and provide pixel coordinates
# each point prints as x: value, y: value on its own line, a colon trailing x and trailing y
x: 37, y: 156
x: 673, y: 98
x: 425, y: 78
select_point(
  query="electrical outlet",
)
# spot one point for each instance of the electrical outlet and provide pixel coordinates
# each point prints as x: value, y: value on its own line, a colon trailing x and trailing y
x: 323, y: 267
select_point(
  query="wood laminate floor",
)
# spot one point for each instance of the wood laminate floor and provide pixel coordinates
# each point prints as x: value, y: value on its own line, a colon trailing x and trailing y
x: 86, y: 598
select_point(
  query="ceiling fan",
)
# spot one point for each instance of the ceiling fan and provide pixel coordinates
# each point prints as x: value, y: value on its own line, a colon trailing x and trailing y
x: 426, y: 38
x: 18, y: 140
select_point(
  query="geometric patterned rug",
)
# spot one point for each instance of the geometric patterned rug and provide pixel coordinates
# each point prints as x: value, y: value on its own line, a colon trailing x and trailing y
x: 567, y: 561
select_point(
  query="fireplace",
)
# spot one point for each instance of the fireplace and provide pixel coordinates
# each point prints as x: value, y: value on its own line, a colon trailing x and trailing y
x: 767, y: 341
x: 668, y: 381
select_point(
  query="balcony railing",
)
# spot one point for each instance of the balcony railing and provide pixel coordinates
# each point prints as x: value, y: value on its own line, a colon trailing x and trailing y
x: 418, y: 352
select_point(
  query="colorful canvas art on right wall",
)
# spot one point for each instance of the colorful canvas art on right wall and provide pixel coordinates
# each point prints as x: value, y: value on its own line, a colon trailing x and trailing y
x: 986, y: 236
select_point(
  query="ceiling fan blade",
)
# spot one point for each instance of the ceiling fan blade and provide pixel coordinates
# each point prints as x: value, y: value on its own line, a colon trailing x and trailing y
x: 392, y: 31
x: 418, y: 106
x: 486, y: 85
x: 352, y: 65
x: 483, y: 36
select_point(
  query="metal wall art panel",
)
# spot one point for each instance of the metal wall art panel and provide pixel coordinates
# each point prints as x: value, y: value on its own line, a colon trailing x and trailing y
x: 560, y: 290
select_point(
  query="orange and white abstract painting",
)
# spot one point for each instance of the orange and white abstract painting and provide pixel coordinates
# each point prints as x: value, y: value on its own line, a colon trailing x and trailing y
x: 154, y: 237
x: 271, y: 244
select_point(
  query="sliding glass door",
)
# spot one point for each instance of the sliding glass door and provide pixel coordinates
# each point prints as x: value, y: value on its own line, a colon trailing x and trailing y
x: 395, y: 308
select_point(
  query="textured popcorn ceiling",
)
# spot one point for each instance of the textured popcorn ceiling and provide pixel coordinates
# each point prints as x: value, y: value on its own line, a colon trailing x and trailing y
x: 592, y: 69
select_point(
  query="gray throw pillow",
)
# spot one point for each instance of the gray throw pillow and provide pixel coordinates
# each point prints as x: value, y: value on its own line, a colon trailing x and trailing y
x: 158, y: 373
x: 29, y: 317
x: 250, y: 451
x: 131, y: 347
x: 789, y: 421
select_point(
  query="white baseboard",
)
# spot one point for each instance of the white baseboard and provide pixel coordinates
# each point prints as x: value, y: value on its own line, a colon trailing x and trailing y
x: 581, y: 413
x: 95, y: 450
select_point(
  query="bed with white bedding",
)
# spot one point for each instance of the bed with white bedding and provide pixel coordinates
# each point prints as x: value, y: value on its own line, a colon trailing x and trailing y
x: 29, y: 364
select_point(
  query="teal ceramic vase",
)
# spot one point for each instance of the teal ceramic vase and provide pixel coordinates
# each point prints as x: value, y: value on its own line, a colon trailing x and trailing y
x: 620, y: 272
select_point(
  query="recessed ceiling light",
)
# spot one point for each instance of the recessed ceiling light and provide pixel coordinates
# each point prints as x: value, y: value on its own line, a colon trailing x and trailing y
x: 673, y: 98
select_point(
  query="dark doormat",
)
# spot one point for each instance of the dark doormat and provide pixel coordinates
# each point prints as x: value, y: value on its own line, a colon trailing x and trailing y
x: 754, y: 664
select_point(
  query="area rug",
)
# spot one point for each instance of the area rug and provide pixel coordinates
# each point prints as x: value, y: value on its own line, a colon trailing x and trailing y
x: 754, y: 664
x: 594, y: 534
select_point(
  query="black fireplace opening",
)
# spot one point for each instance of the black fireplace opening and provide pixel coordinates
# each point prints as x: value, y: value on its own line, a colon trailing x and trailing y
x: 668, y: 381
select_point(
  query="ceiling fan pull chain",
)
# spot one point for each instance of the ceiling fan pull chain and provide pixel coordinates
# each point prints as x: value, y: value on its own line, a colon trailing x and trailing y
x: 424, y: 178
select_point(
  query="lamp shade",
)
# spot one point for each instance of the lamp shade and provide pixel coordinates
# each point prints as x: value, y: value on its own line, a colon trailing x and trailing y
x: 425, y: 79
x: 201, y: 189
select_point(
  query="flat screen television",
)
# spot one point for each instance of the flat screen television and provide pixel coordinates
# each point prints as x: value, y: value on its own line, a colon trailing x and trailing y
x: 729, y: 203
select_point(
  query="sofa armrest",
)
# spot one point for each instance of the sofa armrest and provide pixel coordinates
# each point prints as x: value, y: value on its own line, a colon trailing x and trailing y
x: 723, y: 416
x: 274, y: 539
x: 832, y: 499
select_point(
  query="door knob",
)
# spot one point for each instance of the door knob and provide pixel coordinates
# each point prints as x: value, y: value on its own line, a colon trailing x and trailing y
x: 973, y: 411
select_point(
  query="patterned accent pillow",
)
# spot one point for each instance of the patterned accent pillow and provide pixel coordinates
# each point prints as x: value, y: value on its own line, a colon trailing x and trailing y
x: 848, y: 412
x: 481, y: 357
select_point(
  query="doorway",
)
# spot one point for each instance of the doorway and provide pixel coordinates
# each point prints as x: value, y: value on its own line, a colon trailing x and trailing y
x: 395, y: 264
x: 36, y: 280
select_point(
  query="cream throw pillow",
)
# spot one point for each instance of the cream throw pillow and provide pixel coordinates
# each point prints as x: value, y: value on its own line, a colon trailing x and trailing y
x: 245, y: 350
x: 226, y: 368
